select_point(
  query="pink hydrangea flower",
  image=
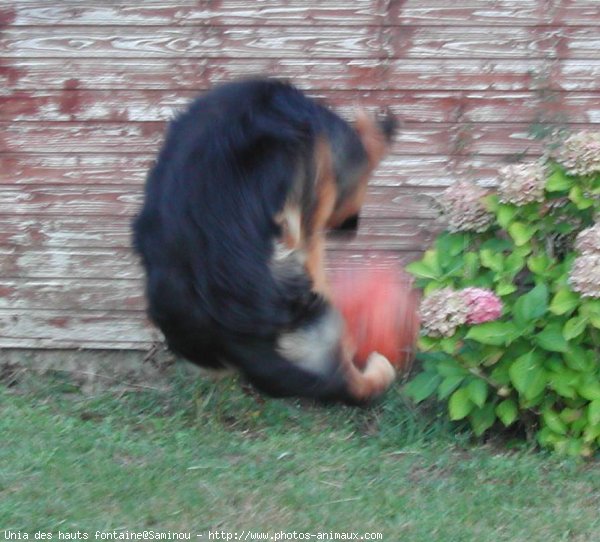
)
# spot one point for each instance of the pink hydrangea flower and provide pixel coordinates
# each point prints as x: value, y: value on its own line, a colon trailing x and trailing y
x: 483, y: 305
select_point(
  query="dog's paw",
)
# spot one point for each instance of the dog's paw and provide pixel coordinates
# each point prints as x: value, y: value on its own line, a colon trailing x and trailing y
x: 379, y: 367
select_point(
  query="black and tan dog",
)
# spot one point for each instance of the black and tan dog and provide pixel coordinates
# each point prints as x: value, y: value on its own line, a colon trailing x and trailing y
x: 231, y: 236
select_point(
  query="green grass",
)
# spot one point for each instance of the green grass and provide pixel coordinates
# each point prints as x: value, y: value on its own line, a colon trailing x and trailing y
x: 208, y: 456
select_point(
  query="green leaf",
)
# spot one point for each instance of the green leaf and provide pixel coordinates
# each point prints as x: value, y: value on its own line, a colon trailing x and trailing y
x: 471, y: 261
x: 562, y: 384
x: 564, y: 301
x: 558, y: 181
x: 422, y: 386
x: 478, y: 391
x: 482, y: 419
x: 551, y: 338
x: 578, y: 198
x: 530, y: 306
x: 514, y: 263
x: 505, y: 288
x: 450, y: 344
x: 547, y: 438
x: 448, y: 385
x: 574, y: 327
x: 450, y: 367
x: 595, y: 321
x: 491, y: 356
x: 528, y: 375
x: 520, y: 233
x: 589, y: 389
x: 421, y: 269
x: 507, y: 411
x: 579, y: 359
x: 491, y: 260
x: 459, y: 405
x: 505, y: 214
x: 494, y: 333
x: 553, y: 421
x: 425, y: 343
x: 594, y: 412
x: 491, y: 202
x: 591, y: 309
x: 538, y: 264
x: 591, y: 433
x: 498, y: 244
x: 452, y: 243
x: 570, y: 415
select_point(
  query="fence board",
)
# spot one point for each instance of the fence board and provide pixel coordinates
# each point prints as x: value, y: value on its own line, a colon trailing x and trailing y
x: 322, y: 74
x: 125, y: 201
x: 412, y: 107
x: 301, y: 13
x: 114, y: 169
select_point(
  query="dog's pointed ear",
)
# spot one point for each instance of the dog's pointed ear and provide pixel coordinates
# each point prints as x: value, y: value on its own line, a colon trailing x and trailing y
x: 375, y: 134
x: 388, y: 124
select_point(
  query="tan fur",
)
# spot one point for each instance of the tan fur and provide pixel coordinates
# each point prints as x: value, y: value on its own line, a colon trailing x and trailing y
x: 376, y: 147
x: 326, y: 196
x: 307, y: 235
x: 372, y: 138
x: 378, y: 373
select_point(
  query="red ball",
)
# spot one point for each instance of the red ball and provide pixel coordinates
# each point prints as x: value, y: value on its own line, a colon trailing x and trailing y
x: 379, y: 307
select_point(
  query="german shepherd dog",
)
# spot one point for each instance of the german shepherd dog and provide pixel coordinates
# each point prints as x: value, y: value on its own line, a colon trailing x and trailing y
x: 231, y: 236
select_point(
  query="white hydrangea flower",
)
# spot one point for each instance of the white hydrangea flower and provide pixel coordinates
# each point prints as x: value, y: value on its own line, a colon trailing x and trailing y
x: 463, y: 209
x: 579, y: 154
x: 442, y: 312
x: 522, y: 183
x: 585, y: 275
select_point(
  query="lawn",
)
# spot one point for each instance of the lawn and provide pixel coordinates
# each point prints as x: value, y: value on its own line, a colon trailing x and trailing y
x: 209, y: 456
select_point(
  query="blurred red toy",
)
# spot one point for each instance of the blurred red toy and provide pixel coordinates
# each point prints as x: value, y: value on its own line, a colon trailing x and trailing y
x: 380, y: 310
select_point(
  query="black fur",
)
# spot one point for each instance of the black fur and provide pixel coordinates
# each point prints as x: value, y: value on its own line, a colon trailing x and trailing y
x: 207, y: 228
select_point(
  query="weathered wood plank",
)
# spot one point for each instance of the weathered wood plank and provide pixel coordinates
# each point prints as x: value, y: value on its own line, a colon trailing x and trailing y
x: 64, y: 231
x: 302, y: 12
x: 141, y: 137
x: 410, y: 106
x: 67, y: 328
x: 582, y: 12
x: 115, y: 169
x: 125, y: 201
x: 311, y: 74
x: 47, y: 328
x: 296, y: 42
x: 63, y: 263
x: 427, y: 139
x: 145, y: 137
x: 578, y: 75
x: 199, y: 13
x: 72, y: 200
x: 405, y: 239
x: 483, y: 13
x: 74, y: 169
x: 495, y: 12
x: 107, y: 293
x: 72, y: 294
x: 213, y: 42
x: 488, y: 42
x: 150, y: 106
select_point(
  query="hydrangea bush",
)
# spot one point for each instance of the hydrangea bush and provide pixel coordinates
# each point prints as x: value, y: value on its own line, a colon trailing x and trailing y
x: 511, y: 306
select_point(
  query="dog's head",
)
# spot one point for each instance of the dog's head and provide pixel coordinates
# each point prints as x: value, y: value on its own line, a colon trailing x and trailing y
x: 356, y: 151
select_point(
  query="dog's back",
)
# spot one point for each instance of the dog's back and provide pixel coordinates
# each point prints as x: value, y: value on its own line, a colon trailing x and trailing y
x: 223, y: 284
